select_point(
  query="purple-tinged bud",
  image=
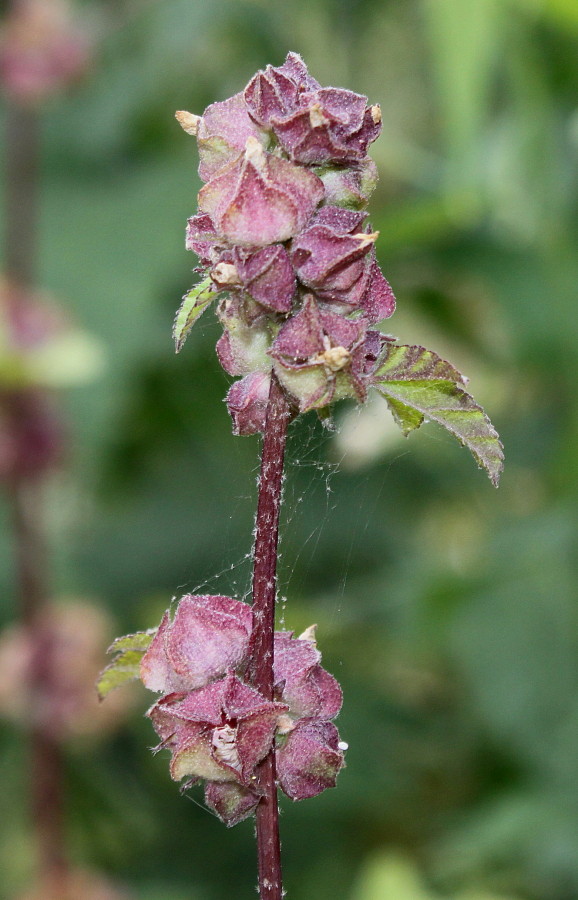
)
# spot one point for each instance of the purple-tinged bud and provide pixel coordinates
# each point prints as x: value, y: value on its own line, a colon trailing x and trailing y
x: 219, y: 732
x: 300, y: 681
x: 332, y: 256
x: 275, y: 92
x: 336, y: 259
x: 349, y: 186
x: 230, y: 801
x: 222, y: 132
x: 201, y: 237
x: 309, y: 760
x: 331, y: 125
x: 320, y: 357
x: 208, y: 636
x: 247, y: 403
x: 245, y: 342
x: 260, y: 199
x: 267, y: 275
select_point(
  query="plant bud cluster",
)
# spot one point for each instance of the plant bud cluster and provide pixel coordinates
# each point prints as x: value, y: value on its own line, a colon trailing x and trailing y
x: 281, y: 233
x: 219, y: 728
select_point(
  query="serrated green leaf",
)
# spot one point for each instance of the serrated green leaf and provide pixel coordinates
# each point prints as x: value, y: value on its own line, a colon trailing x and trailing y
x: 418, y: 385
x: 406, y: 362
x: 407, y: 418
x: 193, y: 306
x: 125, y: 667
x: 141, y: 640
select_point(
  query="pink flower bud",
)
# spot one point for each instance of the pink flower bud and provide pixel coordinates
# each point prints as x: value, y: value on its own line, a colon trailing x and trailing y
x: 310, y: 759
x: 332, y: 126
x: 209, y: 635
x: 260, y: 199
x: 321, y: 357
x: 332, y: 256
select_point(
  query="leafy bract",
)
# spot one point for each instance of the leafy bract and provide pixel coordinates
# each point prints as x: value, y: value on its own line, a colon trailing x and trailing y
x: 418, y: 384
x: 193, y: 305
x: 125, y: 667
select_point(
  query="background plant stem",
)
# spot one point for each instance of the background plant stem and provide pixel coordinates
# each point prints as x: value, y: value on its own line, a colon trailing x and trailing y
x: 264, y: 593
x: 26, y: 495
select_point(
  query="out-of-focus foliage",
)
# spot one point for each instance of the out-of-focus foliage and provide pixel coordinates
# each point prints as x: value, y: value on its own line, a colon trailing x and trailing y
x: 447, y: 609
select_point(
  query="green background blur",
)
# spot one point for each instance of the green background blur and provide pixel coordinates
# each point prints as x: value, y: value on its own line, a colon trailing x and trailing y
x: 446, y: 609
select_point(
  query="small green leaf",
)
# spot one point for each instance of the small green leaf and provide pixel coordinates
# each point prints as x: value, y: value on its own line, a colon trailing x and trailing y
x: 418, y: 384
x: 125, y: 667
x: 193, y: 305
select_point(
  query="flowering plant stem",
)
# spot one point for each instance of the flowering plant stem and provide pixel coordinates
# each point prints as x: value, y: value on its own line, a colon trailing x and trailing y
x: 264, y: 592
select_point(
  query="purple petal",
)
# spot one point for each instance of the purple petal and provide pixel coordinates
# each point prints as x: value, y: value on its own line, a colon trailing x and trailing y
x: 301, y: 681
x: 379, y: 300
x: 276, y: 90
x: 310, y: 759
x: 201, y: 237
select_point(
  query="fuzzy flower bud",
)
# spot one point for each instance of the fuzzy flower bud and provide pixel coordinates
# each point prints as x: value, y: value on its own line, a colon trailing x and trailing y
x: 320, y: 356
x: 260, y: 199
x: 217, y: 727
x: 208, y: 636
x: 314, y: 125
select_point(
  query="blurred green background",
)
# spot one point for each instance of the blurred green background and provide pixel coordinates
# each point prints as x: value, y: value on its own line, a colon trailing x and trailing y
x: 446, y: 609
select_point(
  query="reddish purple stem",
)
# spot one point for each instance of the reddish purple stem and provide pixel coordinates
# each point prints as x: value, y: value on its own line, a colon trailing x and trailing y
x: 264, y: 593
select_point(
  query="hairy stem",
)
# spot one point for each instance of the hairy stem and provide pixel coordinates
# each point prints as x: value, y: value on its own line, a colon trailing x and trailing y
x: 264, y: 593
